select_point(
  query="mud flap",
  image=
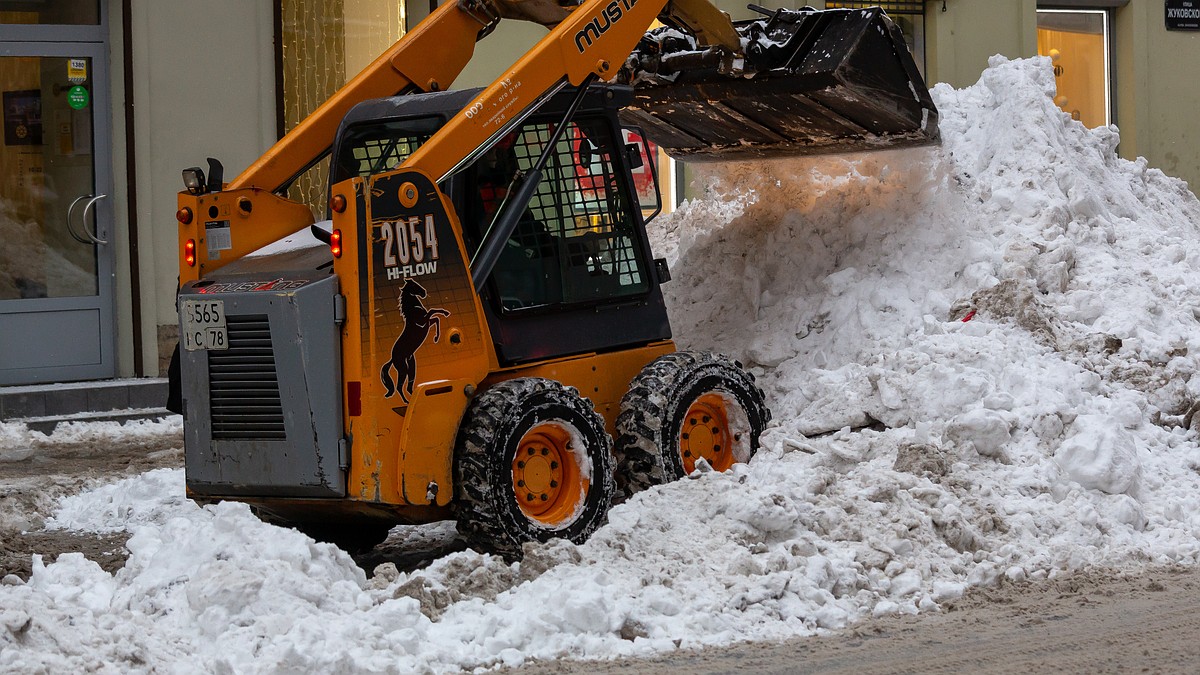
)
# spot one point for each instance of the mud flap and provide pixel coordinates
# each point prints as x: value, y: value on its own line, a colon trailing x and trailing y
x: 823, y: 82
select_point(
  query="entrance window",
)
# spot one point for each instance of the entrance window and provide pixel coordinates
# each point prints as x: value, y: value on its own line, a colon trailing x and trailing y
x: 46, y: 178
x: 61, y: 12
x: 1077, y: 42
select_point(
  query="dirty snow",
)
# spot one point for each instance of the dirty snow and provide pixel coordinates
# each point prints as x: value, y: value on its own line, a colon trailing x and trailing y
x: 982, y: 361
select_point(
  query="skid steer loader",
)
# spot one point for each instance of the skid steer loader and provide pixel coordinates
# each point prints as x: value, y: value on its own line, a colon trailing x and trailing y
x: 481, y: 316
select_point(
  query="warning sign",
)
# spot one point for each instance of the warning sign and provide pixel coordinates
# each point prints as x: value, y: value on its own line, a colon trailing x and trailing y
x: 77, y: 71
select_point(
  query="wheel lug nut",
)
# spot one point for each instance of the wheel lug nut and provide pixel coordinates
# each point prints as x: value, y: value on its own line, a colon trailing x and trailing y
x: 553, y: 465
x: 687, y: 453
x: 716, y: 430
x: 521, y: 465
x: 520, y: 483
x: 706, y: 419
x: 553, y: 483
x: 684, y: 436
x: 545, y: 451
x: 531, y: 452
x: 544, y: 497
x: 529, y: 497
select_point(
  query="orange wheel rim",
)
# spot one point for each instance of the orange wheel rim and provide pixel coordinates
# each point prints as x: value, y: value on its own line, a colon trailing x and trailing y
x: 547, y: 481
x: 706, y: 433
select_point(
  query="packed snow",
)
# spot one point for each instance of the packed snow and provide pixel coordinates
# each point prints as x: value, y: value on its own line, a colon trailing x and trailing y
x: 982, y: 363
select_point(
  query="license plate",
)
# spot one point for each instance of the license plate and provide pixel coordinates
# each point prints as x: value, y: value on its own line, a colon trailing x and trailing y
x: 204, y: 324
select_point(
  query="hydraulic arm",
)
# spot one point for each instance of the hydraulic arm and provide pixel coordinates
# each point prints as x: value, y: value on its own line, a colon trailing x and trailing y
x: 592, y: 37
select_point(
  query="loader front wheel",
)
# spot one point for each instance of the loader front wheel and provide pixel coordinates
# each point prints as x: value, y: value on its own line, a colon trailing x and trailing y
x: 532, y: 463
x: 682, y: 408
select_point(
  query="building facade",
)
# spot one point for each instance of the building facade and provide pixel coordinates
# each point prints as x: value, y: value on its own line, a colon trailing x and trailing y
x: 106, y: 101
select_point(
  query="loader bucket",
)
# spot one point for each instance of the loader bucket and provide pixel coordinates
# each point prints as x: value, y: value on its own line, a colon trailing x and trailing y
x: 824, y: 82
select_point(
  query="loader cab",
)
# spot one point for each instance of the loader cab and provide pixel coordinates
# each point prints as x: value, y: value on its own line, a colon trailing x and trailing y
x: 577, y: 275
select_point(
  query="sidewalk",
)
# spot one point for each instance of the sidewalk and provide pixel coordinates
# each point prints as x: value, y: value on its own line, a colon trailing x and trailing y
x: 41, y: 407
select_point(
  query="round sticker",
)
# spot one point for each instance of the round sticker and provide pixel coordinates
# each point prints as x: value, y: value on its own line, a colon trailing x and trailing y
x: 78, y: 97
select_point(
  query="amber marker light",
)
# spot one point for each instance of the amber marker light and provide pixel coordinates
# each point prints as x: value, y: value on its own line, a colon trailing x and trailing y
x: 337, y: 203
x: 335, y: 243
x: 184, y: 216
x: 189, y: 252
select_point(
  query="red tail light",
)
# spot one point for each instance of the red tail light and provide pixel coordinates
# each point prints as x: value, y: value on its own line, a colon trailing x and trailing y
x: 189, y: 252
x: 354, y: 398
x: 335, y: 243
x: 184, y: 216
x: 337, y: 204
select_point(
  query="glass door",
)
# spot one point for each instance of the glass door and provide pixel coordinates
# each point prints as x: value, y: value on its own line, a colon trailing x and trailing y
x: 56, y: 234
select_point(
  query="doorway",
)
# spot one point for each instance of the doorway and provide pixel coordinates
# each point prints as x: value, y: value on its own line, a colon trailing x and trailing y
x: 56, y: 229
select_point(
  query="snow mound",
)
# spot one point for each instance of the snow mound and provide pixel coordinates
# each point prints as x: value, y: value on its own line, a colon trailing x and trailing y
x: 982, y: 361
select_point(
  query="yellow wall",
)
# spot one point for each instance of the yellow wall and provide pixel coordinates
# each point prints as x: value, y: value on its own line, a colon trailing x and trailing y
x: 1157, y: 96
x: 959, y: 41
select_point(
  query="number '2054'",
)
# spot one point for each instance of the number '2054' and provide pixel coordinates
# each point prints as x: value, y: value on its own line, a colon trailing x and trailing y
x: 409, y: 241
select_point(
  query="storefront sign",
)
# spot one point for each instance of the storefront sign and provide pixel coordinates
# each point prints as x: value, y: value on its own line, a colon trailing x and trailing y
x: 23, y: 117
x: 1183, y: 14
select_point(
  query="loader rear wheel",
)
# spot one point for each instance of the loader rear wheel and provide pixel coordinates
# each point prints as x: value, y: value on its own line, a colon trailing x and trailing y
x: 532, y: 463
x: 684, y: 407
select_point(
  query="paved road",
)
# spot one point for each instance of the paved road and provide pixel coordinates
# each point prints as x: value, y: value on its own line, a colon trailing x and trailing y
x: 1144, y: 621
x: 1089, y: 623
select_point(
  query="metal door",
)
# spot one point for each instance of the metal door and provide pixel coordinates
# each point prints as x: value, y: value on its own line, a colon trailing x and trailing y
x: 56, y: 224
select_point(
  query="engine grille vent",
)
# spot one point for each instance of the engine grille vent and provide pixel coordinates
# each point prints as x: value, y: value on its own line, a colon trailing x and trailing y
x: 243, y: 383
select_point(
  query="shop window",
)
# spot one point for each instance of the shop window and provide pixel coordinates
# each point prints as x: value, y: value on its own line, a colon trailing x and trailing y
x: 909, y: 15
x: 1077, y: 42
x: 322, y: 45
x: 60, y: 12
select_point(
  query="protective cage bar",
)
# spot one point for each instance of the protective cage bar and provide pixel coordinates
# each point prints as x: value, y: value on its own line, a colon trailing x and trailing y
x: 574, y: 242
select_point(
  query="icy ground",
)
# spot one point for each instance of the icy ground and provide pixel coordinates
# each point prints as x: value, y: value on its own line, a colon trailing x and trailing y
x: 982, y: 360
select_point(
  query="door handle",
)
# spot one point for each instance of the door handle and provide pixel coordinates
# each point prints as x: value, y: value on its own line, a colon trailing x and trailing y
x: 86, y: 208
x: 70, y: 220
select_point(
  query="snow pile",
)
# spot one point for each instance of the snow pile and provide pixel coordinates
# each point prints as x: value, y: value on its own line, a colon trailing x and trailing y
x: 19, y: 443
x: 981, y: 358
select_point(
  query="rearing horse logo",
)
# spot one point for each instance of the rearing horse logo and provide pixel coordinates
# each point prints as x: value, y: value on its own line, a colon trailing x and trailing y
x: 417, y: 322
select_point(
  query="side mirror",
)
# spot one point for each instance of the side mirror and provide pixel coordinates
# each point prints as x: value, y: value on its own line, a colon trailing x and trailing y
x: 633, y: 151
x: 640, y: 154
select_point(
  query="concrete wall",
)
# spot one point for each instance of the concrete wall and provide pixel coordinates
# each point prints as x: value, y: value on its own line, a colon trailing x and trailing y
x: 204, y: 75
x: 1157, y: 95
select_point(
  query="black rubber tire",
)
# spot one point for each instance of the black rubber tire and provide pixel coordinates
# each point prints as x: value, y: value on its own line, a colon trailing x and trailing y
x: 485, y: 506
x: 653, y: 410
